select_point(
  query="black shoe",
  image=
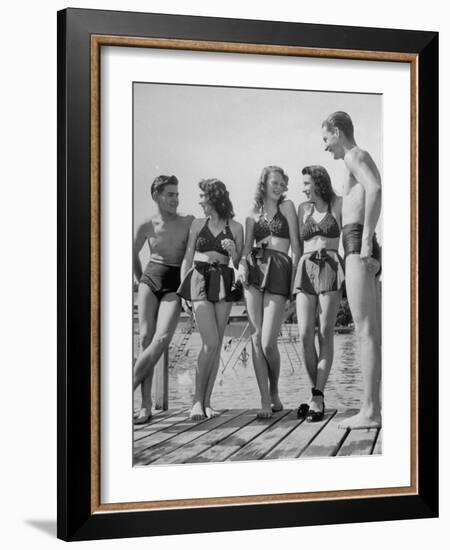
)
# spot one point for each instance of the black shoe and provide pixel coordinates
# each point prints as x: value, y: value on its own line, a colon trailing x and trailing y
x: 302, y: 410
x: 316, y: 416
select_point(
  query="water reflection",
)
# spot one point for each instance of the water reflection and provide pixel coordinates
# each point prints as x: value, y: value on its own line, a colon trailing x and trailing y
x: 236, y: 383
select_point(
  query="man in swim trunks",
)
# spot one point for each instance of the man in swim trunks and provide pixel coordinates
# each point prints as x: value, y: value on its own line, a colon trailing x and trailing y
x: 360, y: 212
x: 158, y: 305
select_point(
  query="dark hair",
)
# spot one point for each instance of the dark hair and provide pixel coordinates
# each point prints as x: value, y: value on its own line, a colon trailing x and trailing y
x: 261, y: 187
x: 160, y: 182
x: 340, y: 120
x: 322, y: 182
x: 217, y: 195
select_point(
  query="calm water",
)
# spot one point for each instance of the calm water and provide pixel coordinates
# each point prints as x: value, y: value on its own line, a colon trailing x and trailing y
x: 236, y: 383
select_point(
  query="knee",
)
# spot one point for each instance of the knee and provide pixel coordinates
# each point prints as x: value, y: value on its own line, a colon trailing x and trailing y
x: 210, y: 345
x: 366, y: 330
x: 144, y: 339
x: 269, y: 347
x: 162, y: 339
x: 256, y: 339
x: 306, y: 336
x: 326, y: 333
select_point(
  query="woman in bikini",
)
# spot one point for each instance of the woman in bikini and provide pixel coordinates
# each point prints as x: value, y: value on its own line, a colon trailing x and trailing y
x: 267, y: 273
x: 207, y: 282
x: 318, y: 282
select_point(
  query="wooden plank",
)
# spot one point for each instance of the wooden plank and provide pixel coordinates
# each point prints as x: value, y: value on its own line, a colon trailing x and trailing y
x: 260, y: 446
x: 157, y: 416
x: 327, y: 443
x: 298, y: 439
x: 163, y: 424
x: 164, y: 435
x: 227, y: 447
x: 358, y: 442
x: 378, y: 448
x: 214, y: 436
x: 161, y: 382
x: 166, y: 446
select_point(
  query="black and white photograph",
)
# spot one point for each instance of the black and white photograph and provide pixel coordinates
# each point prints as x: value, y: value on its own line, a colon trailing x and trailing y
x: 257, y: 274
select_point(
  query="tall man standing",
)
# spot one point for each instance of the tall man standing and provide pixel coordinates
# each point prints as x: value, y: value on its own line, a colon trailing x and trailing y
x: 360, y: 212
x: 158, y: 305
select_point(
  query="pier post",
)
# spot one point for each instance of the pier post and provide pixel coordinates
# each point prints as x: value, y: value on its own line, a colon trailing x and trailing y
x: 161, y: 382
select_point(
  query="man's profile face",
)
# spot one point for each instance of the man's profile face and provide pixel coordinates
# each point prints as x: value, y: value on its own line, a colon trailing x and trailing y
x: 168, y: 199
x: 332, y: 142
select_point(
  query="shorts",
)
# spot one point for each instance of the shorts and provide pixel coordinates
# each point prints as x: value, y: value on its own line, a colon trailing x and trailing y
x: 352, y: 239
x: 270, y: 271
x: 319, y: 271
x: 161, y: 278
x: 207, y: 281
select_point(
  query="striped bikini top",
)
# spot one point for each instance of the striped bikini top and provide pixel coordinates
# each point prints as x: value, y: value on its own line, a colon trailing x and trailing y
x: 278, y: 226
x: 207, y: 242
x: 328, y: 227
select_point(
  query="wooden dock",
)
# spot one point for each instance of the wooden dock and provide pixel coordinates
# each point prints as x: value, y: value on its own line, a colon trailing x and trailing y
x: 237, y: 435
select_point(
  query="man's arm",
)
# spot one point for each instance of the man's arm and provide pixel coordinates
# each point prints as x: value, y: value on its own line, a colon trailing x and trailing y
x: 366, y: 173
x: 186, y: 264
x: 139, y: 241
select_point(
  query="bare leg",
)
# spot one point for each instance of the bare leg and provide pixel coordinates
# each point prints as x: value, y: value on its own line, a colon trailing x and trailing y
x: 306, y: 319
x: 272, y: 320
x: 254, y: 301
x: 363, y: 297
x: 166, y: 322
x: 205, y: 318
x: 148, y: 305
x: 328, y: 308
x: 222, y: 311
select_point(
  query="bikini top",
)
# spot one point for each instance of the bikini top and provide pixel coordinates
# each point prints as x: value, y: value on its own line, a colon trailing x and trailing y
x: 207, y: 242
x: 327, y: 227
x: 278, y: 226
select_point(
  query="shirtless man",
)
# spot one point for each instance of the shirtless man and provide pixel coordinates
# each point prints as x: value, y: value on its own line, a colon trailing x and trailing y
x: 158, y: 305
x: 360, y: 212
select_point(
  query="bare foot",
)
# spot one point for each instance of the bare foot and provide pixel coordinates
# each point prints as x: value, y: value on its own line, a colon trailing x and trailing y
x: 277, y: 405
x: 361, y: 421
x: 197, y: 412
x: 211, y: 413
x: 143, y: 416
x: 265, y: 411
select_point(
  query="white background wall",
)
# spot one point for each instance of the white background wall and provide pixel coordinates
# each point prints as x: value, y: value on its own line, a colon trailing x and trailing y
x: 28, y: 274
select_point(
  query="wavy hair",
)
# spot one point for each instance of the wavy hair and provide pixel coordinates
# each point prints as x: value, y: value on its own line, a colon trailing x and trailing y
x: 261, y: 187
x: 160, y: 182
x: 322, y: 182
x: 217, y: 195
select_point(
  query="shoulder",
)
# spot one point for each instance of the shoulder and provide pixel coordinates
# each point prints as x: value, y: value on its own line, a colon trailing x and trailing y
x: 252, y: 214
x: 287, y: 206
x: 304, y: 206
x: 188, y: 219
x: 356, y: 156
x: 197, y: 223
x: 235, y: 225
x: 146, y: 227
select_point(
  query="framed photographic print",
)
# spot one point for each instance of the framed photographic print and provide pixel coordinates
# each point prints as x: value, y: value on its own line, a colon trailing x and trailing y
x: 247, y: 254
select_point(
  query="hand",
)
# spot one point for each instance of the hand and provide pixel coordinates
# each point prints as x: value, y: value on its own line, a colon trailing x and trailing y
x: 187, y: 306
x: 229, y: 246
x: 242, y: 274
x: 366, y: 256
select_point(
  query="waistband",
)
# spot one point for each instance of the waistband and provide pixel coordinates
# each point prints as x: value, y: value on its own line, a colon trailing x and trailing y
x: 256, y: 250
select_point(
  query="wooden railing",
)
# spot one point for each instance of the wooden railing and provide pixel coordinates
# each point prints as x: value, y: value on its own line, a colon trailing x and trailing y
x: 161, y: 382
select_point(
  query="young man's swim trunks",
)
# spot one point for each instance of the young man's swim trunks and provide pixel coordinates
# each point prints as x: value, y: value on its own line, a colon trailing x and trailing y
x: 270, y: 270
x: 319, y: 271
x: 161, y: 278
x: 352, y: 239
x: 207, y: 281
